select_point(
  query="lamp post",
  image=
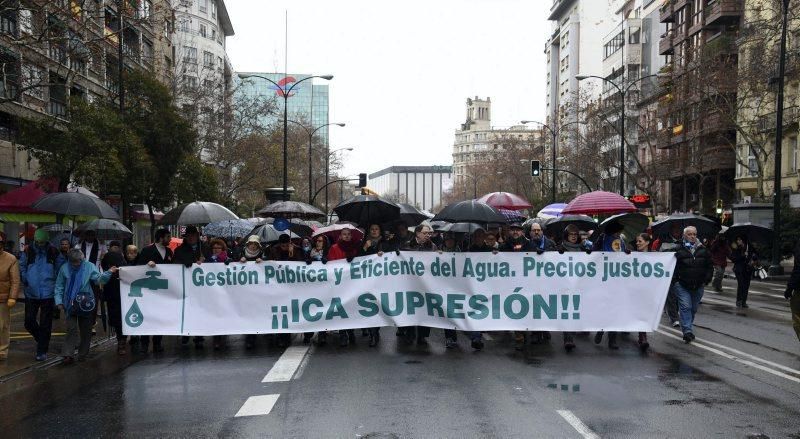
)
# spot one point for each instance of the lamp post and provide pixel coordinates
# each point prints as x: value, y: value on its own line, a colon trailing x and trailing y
x: 285, y: 95
x: 310, y: 140
x: 622, y: 91
x: 328, y: 170
x: 474, y: 185
x: 554, y: 133
x: 775, y: 268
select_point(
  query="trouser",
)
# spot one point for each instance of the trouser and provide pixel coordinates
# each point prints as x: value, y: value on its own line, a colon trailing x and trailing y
x: 39, y: 322
x: 719, y: 273
x: 79, y: 332
x: 416, y: 331
x: 672, y: 303
x: 145, y: 340
x: 115, y: 315
x: 743, y: 279
x: 452, y: 334
x: 794, y: 304
x: 5, y: 329
x: 689, y: 301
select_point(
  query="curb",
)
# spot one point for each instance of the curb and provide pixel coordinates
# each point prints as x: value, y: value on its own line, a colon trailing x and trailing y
x: 49, y: 363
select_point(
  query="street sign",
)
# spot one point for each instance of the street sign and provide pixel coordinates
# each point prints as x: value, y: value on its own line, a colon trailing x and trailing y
x: 536, y: 168
x: 640, y: 200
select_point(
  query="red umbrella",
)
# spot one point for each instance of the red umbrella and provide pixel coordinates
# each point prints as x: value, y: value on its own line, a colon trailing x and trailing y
x: 598, y: 203
x: 332, y: 231
x: 505, y: 200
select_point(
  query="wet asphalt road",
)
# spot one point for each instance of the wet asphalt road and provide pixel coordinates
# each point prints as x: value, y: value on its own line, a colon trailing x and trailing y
x: 740, y: 379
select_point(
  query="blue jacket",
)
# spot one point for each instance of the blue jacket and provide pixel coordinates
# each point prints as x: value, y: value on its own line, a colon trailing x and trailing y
x: 39, y: 275
x: 90, y: 275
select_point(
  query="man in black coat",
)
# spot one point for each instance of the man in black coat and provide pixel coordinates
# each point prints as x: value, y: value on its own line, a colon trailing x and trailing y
x: 191, y: 251
x: 693, y: 270
x: 793, y: 290
x: 516, y: 242
x: 154, y: 254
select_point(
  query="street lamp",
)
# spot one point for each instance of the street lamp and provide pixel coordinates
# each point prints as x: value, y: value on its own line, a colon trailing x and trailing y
x: 285, y: 95
x: 554, y: 133
x: 310, y: 139
x: 775, y: 267
x: 622, y: 91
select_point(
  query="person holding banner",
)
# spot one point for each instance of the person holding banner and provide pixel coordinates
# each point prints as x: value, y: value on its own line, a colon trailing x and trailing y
x: 516, y: 242
x: 345, y: 248
x: 692, y: 271
x: 643, y: 243
x: 285, y: 251
x: 219, y: 255
x: 792, y: 293
x: 570, y: 242
x: 610, y: 241
x: 252, y: 253
x: 154, y: 254
x: 539, y: 243
x: 374, y: 245
x: 421, y: 242
x: 191, y: 251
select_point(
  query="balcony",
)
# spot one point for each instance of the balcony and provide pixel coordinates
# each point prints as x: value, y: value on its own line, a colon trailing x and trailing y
x: 666, y: 13
x: 665, y: 46
x: 714, y: 123
x: 56, y: 108
x: 724, y: 12
x: 768, y: 122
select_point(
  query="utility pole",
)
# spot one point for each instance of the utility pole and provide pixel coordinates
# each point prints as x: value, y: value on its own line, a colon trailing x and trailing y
x: 776, y: 268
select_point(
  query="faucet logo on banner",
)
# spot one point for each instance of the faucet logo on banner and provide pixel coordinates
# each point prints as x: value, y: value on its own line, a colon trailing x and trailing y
x: 134, y: 317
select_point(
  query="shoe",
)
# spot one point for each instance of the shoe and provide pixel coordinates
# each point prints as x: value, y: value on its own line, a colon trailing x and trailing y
x: 364, y: 332
x: 450, y: 343
x: 41, y: 357
x: 374, y: 339
x: 477, y: 344
x: 343, y: 339
x: 569, y: 344
x: 676, y: 324
x: 68, y: 360
x: 644, y: 345
x: 688, y: 337
x: 322, y: 338
x: 351, y: 337
x: 744, y: 305
x: 306, y: 338
x: 598, y: 337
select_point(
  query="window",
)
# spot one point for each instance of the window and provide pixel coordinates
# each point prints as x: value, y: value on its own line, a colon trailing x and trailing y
x: 208, y: 59
x: 8, y: 21
x: 203, y: 32
x: 213, y: 9
x: 794, y: 155
x: 32, y: 78
x: 145, y: 7
x: 147, y: 50
x: 614, y: 45
x: 202, y: 5
x: 634, y: 34
x: 190, y: 54
x: 752, y: 164
x: 183, y: 24
x: 25, y: 21
x: 189, y: 82
x: 208, y: 85
x: 213, y: 33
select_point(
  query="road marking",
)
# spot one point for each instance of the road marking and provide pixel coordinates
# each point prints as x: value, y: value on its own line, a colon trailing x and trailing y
x: 258, y: 405
x: 304, y: 363
x: 287, y: 364
x: 578, y: 425
x: 733, y: 305
x: 738, y: 352
x: 733, y: 357
x: 777, y: 296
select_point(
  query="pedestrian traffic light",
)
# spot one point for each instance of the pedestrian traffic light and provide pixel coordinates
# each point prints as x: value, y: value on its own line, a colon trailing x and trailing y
x: 719, y: 207
x: 536, y: 168
x: 362, y: 180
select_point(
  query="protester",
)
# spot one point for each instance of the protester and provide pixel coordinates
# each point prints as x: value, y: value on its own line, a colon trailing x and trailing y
x: 63, y: 248
x: 610, y: 241
x: 92, y: 248
x: 792, y: 292
x: 252, y: 253
x: 285, y: 250
x: 449, y: 243
x: 38, y: 267
x: 538, y: 242
x: 75, y: 297
x: 671, y: 244
x: 306, y: 246
x: 131, y: 254
x: 643, y: 243
x: 744, y: 259
x: 516, y: 242
x: 191, y: 251
x: 111, y: 294
x: 373, y: 245
x: 219, y: 255
x: 157, y: 253
x: 478, y: 242
x: 421, y: 242
x: 400, y: 238
x: 720, y: 252
x: 345, y: 248
x: 692, y: 270
x: 570, y: 242
x: 10, y: 286
x: 319, y: 249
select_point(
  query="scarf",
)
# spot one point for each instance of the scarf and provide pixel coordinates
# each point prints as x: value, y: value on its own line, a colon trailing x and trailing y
x: 251, y: 254
x: 75, y: 284
x: 572, y: 247
x: 350, y: 248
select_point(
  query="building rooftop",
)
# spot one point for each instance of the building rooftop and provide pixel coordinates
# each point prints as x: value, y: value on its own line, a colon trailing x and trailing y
x: 441, y: 169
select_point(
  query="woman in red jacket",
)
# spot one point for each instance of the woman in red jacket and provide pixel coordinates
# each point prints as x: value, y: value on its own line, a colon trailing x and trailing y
x: 345, y: 248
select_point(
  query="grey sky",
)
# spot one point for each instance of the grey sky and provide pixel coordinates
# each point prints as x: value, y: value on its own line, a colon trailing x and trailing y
x: 404, y: 71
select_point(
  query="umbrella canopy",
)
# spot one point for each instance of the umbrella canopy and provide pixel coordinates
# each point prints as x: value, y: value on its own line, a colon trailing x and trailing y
x: 57, y: 232
x: 461, y: 228
x: 197, y: 213
x: 470, y: 211
x: 755, y: 233
x: 505, y: 200
x: 512, y: 216
x: 633, y: 224
x: 411, y: 215
x: 332, y: 231
x: 367, y: 209
x: 706, y: 228
x: 291, y: 209
x: 298, y: 226
x: 267, y: 233
x: 228, y: 229
x: 555, y: 227
x: 438, y: 225
x: 551, y: 210
x: 75, y: 204
x: 599, y: 203
x: 105, y: 229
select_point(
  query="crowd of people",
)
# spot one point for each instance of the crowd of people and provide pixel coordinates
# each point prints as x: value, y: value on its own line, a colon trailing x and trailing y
x: 70, y: 281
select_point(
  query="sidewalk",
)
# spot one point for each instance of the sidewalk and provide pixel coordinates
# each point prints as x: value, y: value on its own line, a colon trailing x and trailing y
x: 23, y: 348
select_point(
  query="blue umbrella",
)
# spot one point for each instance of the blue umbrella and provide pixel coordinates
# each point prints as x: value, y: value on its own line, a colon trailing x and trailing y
x: 553, y: 210
x: 228, y: 229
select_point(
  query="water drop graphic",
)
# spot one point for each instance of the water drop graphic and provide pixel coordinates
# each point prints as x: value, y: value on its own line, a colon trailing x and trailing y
x: 134, y: 317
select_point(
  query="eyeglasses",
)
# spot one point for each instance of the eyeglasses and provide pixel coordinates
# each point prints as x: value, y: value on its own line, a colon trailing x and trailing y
x: 427, y: 233
x: 573, y: 234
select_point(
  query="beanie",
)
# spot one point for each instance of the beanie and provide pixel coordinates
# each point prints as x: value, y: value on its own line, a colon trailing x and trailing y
x: 41, y: 235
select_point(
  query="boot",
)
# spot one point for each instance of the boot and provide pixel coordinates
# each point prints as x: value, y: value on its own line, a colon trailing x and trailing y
x: 643, y: 344
x: 122, y: 347
x: 374, y: 337
x: 598, y: 337
x: 322, y: 338
x: 351, y: 336
x: 343, y: 338
x: 612, y: 341
x: 569, y: 343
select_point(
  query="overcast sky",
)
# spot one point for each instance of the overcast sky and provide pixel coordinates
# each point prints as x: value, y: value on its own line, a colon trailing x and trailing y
x: 402, y: 72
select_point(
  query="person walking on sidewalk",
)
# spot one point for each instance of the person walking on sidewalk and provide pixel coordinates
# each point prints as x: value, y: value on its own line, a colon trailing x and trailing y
x: 9, y: 291
x: 792, y: 292
x: 75, y: 297
x: 744, y: 260
x: 720, y: 252
x: 38, y: 266
x: 692, y: 271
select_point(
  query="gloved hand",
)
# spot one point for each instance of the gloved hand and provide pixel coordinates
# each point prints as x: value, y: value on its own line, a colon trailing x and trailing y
x: 588, y: 251
x: 11, y: 302
x: 539, y: 251
x: 561, y: 251
x: 189, y: 265
x: 350, y: 259
x: 397, y: 252
x: 787, y: 294
x: 227, y: 262
x: 308, y: 261
x: 324, y: 260
x: 627, y: 251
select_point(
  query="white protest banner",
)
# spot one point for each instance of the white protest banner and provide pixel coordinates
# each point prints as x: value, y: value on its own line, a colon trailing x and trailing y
x: 465, y: 291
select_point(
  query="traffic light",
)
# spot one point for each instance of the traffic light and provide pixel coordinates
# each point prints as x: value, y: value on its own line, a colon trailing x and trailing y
x: 719, y: 207
x: 536, y: 168
x: 362, y: 180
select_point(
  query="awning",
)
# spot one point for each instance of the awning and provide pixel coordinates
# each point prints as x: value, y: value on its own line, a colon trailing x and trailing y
x: 19, y: 200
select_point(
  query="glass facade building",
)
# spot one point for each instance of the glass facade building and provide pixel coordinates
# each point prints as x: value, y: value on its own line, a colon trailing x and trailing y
x: 307, y: 102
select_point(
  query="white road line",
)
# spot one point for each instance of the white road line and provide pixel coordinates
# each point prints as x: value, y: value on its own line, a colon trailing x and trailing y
x: 738, y: 352
x: 304, y: 363
x: 258, y: 405
x: 287, y: 364
x: 777, y: 296
x: 578, y: 425
x: 732, y: 305
x: 733, y: 357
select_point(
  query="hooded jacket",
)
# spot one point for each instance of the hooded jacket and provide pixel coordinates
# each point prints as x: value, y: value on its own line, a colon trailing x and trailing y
x: 90, y: 276
x: 694, y: 268
x: 38, y: 267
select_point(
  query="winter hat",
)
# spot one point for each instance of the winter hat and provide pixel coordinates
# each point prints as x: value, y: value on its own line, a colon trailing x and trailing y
x: 254, y: 238
x: 41, y: 235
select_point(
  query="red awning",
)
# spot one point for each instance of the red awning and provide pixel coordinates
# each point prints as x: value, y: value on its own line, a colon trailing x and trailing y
x: 19, y: 200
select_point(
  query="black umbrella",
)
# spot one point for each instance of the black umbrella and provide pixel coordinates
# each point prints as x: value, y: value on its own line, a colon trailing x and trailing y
x: 706, y: 228
x: 633, y: 224
x: 470, y: 211
x: 291, y: 209
x: 461, y: 228
x: 105, y: 229
x: 411, y: 215
x: 367, y: 209
x: 298, y: 226
x: 555, y: 227
x: 755, y: 233
x: 438, y: 225
x: 56, y: 232
x: 197, y: 213
x: 75, y: 204
x: 267, y: 233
